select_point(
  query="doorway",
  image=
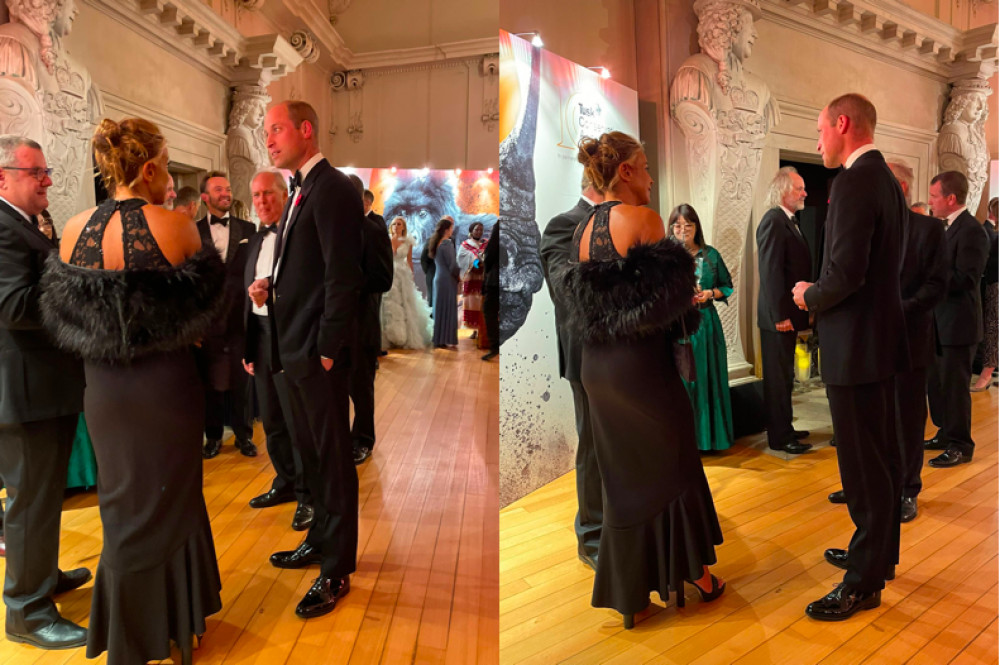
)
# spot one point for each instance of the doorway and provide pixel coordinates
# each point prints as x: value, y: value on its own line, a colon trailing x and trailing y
x: 812, y: 219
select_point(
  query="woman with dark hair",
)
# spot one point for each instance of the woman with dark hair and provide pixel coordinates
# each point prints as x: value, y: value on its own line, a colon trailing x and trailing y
x: 470, y: 266
x: 628, y: 289
x: 709, y: 392
x: 441, y: 248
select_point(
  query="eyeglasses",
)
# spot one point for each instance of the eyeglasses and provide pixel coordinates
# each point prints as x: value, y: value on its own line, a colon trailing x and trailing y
x: 36, y: 172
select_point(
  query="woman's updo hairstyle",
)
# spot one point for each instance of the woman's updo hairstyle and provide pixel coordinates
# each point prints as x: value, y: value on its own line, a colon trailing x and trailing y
x: 602, y: 156
x: 121, y: 148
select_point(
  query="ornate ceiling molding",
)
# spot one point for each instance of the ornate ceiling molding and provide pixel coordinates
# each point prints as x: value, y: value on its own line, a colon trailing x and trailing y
x: 208, y: 41
x: 892, y: 32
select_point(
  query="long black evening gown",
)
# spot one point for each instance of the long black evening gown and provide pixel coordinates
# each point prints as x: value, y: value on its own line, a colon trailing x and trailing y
x: 660, y: 525
x: 158, y: 577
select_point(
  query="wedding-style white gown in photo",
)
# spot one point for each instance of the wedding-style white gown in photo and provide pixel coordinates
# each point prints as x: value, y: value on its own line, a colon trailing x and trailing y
x: 406, y: 320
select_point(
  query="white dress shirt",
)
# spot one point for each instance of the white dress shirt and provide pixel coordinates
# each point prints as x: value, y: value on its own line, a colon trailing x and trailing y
x: 220, y: 235
x: 265, y: 261
x: 791, y: 217
x: 868, y: 147
x: 953, y: 216
x: 27, y: 218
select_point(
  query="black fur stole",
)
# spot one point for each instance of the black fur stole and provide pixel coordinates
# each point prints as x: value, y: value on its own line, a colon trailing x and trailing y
x: 643, y: 294
x: 114, y: 317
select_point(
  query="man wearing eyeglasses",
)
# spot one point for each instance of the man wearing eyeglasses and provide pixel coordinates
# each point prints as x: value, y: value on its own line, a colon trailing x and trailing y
x: 41, y: 395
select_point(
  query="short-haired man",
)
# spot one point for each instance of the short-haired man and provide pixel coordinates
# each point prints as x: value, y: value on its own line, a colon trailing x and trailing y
x: 221, y: 351
x: 171, y: 197
x: 783, y: 260
x: 187, y: 202
x: 42, y: 390
x: 270, y: 193
x: 920, y: 208
x: 958, y: 322
x: 857, y: 293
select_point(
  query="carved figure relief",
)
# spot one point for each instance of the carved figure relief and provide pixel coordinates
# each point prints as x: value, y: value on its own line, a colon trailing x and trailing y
x: 962, y: 139
x: 50, y: 98
x: 245, y: 148
x: 725, y: 114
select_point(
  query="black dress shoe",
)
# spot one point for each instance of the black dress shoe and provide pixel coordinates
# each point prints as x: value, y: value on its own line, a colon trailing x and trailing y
x: 303, y: 517
x: 302, y: 556
x: 908, y: 509
x: 793, y: 447
x: 72, y: 579
x: 361, y: 454
x: 270, y: 498
x: 322, y: 597
x: 589, y: 559
x: 212, y: 448
x: 935, y: 443
x: 837, y: 497
x: 833, y: 442
x: 800, y: 434
x: 950, y: 457
x: 246, y: 447
x: 842, y: 603
x: 60, y: 634
x: 838, y: 558
x: 491, y: 355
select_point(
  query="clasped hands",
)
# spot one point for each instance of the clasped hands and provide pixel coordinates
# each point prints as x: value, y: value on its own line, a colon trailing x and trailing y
x: 799, y: 295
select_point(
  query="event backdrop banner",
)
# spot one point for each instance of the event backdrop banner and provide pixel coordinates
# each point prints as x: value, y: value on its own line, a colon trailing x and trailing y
x: 547, y: 104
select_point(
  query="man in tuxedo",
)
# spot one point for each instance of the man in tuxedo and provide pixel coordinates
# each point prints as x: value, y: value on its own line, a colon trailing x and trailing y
x: 555, y: 248
x: 783, y: 260
x: 42, y: 390
x: 187, y: 202
x: 220, y: 353
x: 859, y: 318
x: 377, y: 266
x: 269, y: 194
x: 315, y: 289
x: 958, y: 322
x: 491, y: 291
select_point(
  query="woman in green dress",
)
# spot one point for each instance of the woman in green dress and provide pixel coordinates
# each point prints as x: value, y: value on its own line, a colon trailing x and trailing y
x: 709, y: 392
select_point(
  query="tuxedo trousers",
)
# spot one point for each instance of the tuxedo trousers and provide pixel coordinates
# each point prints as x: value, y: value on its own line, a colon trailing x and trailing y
x: 34, y: 461
x: 948, y: 395
x: 491, y: 313
x: 234, y: 402
x: 589, y: 489
x: 911, y: 416
x: 321, y: 421
x: 864, y: 421
x: 777, y: 350
x: 272, y: 397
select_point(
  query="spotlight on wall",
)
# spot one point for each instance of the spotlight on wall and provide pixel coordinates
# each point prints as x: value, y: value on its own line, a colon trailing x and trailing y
x: 424, y: 171
x: 458, y: 171
x: 603, y: 71
x: 348, y: 170
x: 490, y: 170
x: 393, y: 169
x: 536, y: 39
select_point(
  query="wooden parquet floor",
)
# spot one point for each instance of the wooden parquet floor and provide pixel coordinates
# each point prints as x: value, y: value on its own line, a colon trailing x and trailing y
x: 426, y: 586
x: 776, y: 520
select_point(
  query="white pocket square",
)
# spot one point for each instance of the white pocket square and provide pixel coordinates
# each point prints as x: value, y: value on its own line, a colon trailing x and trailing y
x: 244, y: 241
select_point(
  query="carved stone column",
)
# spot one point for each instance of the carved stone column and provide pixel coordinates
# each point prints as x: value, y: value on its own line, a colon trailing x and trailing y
x: 245, y: 150
x: 725, y: 114
x: 351, y: 82
x: 962, y: 139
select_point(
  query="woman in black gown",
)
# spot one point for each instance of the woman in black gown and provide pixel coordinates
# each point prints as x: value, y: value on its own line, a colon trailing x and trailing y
x: 630, y: 288
x: 130, y: 293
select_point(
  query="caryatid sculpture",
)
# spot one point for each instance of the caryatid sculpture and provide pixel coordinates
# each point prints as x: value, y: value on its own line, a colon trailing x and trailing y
x: 962, y: 139
x: 725, y: 114
x: 245, y: 149
x: 47, y: 96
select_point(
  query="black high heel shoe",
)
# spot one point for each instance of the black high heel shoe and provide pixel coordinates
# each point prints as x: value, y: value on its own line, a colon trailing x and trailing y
x: 709, y: 596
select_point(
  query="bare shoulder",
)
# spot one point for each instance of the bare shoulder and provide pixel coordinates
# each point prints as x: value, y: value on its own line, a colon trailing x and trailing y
x: 71, y: 232
x: 176, y: 235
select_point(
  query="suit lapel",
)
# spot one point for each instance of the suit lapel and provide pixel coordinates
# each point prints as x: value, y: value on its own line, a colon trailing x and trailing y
x: 31, y: 233
x: 300, y: 201
x: 235, y: 235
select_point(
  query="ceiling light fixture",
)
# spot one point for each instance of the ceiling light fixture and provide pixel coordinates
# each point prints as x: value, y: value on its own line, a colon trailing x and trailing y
x: 536, y: 38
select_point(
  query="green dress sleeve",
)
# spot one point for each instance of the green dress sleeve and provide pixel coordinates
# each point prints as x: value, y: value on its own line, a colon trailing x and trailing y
x: 723, y: 281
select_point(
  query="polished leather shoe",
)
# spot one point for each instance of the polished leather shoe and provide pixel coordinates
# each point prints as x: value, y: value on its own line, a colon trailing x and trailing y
x: 212, y: 448
x: 908, y: 509
x: 60, y: 634
x: 72, y: 579
x: 589, y: 559
x: 950, y: 457
x: 322, y: 597
x: 302, y: 556
x: 838, y: 558
x: 271, y: 498
x: 246, y: 447
x: 842, y: 603
x: 793, y: 447
x: 361, y: 454
x: 833, y: 442
x: 303, y: 518
x: 837, y: 497
x: 800, y: 434
x: 935, y: 443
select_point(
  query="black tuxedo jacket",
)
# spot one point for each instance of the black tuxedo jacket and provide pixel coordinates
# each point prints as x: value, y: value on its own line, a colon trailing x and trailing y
x: 491, y: 260
x: 377, y: 266
x: 783, y: 260
x: 922, y: 282
x: 555, y: 248
x: 375, y: 217
x: 859, y: 310
x: 229, y: 328
x: 958, y: 319
x: 318, y: 280
x: 37, y: 380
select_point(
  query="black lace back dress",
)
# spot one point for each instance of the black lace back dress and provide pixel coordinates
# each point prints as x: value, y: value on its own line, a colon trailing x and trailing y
x: 660, y: 525
x: 158, y: 577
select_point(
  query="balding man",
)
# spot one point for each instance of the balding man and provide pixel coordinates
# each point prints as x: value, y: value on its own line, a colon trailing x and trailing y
x: 269, y: 196
x: 187, y: 202
x: 859, y: 319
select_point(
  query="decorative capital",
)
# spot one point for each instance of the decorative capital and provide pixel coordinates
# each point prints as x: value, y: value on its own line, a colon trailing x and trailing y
x: 264, y: 59
x: 249, y: 104
x: 305, y: 43
x: 349, y: 80
x: 490, y: 64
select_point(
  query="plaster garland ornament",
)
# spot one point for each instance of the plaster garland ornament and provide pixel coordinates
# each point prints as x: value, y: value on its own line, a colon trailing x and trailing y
x: 490, y: 68
x: 47, y: 96
x: 245, y: 149
x: 352, y: 83
x: 725, y: 114
x: 962, y: 139
x: 306, y: 45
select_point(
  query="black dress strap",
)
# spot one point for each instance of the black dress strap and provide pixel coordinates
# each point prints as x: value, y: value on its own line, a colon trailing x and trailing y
x: 139, y: 247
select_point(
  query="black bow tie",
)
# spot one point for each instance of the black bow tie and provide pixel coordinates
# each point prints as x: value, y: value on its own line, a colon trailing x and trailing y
x: 295, y: 182
x: 218, y: 220
x: 270, y: 228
